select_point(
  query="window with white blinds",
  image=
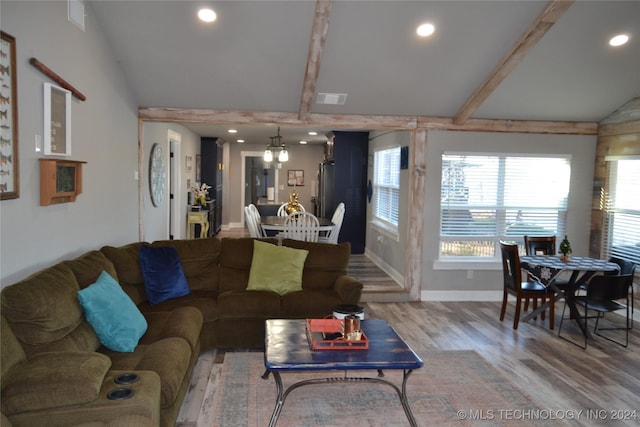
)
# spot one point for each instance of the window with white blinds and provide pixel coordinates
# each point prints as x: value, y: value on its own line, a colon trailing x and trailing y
x: 488, y: 198
x: 386, y: 185
x: 621, y: 231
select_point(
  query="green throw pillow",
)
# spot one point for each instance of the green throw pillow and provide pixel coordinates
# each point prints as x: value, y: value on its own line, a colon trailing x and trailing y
x: 276, y: 268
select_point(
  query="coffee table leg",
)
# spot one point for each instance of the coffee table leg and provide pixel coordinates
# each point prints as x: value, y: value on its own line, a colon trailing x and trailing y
x: 279, y: 399
x: 404, y: 400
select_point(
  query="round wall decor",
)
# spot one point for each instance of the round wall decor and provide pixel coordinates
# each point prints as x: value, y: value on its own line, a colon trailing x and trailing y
x: 157, y: 174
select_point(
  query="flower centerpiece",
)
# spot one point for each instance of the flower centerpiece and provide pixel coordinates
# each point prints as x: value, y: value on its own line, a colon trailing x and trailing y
x: 200, y: 193
x: 565, y: 249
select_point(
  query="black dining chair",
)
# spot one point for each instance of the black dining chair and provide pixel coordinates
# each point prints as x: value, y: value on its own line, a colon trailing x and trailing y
x: 605, y: 294
x: 626, y: 267
x: 513, y: 285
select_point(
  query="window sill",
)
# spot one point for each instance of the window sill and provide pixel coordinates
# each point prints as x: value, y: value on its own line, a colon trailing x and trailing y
x: 467, y: 265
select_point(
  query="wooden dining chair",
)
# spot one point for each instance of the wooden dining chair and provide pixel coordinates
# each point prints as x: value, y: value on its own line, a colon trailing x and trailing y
x: 513, y: 285
x: 250, y: 220
x: 301, y: 226
x: 336, y: 219
x: 542, y: 245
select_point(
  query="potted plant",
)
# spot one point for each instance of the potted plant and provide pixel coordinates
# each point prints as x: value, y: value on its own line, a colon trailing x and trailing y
x: 200, y: 193
x: 565, y: 249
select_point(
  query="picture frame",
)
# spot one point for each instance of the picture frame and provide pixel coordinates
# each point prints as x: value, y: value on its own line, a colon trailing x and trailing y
x: 57, y: 121
x: 9, y: 174
x: 198, y: 168
x: 189, y: 163
x: 295, y: 177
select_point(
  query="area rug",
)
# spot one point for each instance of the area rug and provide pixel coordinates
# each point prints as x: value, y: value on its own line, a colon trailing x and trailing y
x: 453, y: 388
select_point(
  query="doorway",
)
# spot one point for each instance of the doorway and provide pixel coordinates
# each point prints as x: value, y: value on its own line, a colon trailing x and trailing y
x: 259, y: 184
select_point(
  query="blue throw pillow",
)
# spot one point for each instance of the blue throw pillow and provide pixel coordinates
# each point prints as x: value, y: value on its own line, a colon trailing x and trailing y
x: 112, y: 314
x: 162, y: 272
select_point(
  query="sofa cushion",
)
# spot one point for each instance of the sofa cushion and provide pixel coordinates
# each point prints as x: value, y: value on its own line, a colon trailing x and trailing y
x: 199, y: 259
x: 43, y: 308
x: 162, y: 272
x: 54, y: 379
x: 183, y: 322
x: 324, y: 264
x: 310, y: 304
x: 125, y: 261
x: 276, y: 268
x: 235, y: 262
x: 112, y: 314
x: 249, y: 305
x: 88, y: 267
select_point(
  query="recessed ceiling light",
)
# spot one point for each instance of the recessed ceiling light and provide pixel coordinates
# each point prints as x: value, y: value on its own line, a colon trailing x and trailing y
x: 303, y: 142
x: 619, y: 40
x: 240, y: 141
x: 425, y: 30
x: 233, y: 131
x: 207, y: 15
x: 313, y: 133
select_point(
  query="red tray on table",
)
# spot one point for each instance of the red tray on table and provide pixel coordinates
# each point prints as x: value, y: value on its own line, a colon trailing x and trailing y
x: 319, y: 332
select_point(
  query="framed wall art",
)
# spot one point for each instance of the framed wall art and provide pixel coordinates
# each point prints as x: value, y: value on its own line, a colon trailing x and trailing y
x: 9, y: 176
x: 57, y: 121
x: 295, y: 177
x: 188, y: 163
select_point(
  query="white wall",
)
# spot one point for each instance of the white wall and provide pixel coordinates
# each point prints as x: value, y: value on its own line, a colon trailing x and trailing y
x: 156, y: 224
x: 439, y: 283
x: 388, y: 252
x: 104, y: 132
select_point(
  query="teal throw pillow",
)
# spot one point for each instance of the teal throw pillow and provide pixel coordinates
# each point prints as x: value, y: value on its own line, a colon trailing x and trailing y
x: 276, y: 268
x: 162, y: 272
x: 114, y: 317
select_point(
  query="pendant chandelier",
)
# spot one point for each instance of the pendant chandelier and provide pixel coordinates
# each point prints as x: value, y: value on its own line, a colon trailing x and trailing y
x: 276, y: 143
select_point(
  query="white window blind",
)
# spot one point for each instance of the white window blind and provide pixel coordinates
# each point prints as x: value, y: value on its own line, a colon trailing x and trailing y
x: 488, y: 198
x: 621, y: 231
x: 386, y: 185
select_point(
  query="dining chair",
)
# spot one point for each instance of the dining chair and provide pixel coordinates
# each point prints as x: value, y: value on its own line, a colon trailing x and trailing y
x: 256, y: 219
x: 604, y: 293
x: 282, y: 210
x: 301, y: 226
x: 251, y: 223
x: 332, y: 235
x: 542, y: 245
x: 513, y: 285
x: 626, y: 267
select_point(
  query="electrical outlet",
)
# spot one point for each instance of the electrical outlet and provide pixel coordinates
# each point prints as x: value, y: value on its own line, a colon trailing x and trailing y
x: 380, y: 238
x: 469, y: 274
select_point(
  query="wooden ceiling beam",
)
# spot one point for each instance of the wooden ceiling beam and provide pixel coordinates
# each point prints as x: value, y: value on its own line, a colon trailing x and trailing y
x: 538, y: 28
x: 319, y: 31
x: 355, y: 121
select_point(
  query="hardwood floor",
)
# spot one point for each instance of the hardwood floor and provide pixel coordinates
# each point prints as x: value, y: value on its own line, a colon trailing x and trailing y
x: 560, y: 376
x: 592, y: 386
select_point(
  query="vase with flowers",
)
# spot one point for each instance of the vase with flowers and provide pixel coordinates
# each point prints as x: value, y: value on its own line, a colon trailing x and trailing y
x: 200, y: 193
x: 565, y: 249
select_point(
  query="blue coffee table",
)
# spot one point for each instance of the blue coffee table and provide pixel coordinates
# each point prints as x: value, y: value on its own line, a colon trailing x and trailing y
x: 287, y: 349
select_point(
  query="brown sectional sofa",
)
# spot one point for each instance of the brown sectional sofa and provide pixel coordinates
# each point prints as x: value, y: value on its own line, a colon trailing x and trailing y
x: 54, y: 368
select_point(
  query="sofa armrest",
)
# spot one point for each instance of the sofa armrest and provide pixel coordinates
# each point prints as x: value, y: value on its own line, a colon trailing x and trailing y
x: 349, y: 289
x: 55, y: 379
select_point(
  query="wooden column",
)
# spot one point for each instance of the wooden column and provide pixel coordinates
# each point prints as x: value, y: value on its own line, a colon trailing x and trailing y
x: 415, y: 223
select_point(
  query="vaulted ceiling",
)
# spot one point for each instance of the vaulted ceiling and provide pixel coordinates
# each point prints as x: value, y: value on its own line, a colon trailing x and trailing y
x: 508, y: 60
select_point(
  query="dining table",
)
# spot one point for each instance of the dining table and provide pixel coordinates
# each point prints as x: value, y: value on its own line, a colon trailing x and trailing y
x: 547, y: 268
x: 276, y: 223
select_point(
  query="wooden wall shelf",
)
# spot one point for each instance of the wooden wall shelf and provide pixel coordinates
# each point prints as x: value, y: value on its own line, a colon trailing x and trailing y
x: 60, y: 181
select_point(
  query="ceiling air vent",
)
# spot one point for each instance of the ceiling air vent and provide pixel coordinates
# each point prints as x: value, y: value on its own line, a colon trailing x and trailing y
x: 331, y: 98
